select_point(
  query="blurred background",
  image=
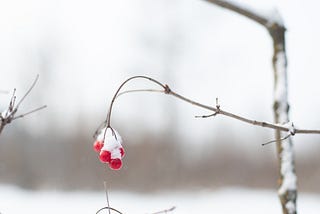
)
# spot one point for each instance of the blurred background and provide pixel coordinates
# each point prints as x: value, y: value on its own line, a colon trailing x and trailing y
x: 83, y: 50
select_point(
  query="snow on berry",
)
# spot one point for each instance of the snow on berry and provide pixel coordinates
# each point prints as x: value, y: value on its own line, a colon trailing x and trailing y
x: 115, y: 153
x: 109, y: 145
x: 97, y: 145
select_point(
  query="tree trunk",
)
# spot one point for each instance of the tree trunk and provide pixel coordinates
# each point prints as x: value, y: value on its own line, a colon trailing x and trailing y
x: 287, y: 182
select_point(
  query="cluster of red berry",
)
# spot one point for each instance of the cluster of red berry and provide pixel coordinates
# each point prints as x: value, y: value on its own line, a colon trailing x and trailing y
x: 109, y: 146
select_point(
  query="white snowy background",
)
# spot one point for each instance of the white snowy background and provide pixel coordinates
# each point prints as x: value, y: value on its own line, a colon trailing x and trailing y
x: 235, y: 200
x: 84, y: 49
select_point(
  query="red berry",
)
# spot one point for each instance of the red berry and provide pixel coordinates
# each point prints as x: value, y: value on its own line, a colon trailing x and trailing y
x: 115, y: 164
x: 122, y: 152
x: 105, y: 156
x: 97, y: 145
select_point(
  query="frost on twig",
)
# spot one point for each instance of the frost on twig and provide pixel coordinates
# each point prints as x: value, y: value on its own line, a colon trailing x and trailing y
x: 291, y: 132
x: 9, y: 114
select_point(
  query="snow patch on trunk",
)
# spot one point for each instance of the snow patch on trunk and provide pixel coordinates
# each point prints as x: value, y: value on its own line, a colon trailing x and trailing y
x: 291, y: 207
x: 287, y: 169
x: 280, y: 92
x: 289, y: 178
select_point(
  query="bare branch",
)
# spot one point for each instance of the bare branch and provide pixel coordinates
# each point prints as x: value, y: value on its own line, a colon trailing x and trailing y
x: 108, y: 119
x: 211, y: 115
x: 229, y: 114
x: 12, y: 101
x: 29, y: 112
x: 29, y: 90
x: 108, y: 204
x: 8, y: 115
x: 107, y: 195
x: 244, y: 11
x: 108, y: 208
x: 274, y: 141
x: 139, y: 90
x: 217, y: 110
x: 165, y: 211
x: 206, y: 116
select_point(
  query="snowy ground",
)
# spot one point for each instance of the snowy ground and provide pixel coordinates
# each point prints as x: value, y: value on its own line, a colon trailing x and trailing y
x: 235, y: 200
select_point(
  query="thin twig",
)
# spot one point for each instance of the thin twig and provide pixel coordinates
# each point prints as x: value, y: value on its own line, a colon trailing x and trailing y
x: 107, y: 195
x: 273, y: 141
x: 165, y: 211
x: 211, y: 115
x: 29, y: 90
x: 251, y: 14
x: 98, y: 130
x: 9, y: 114
x: 108, y: 119
x: 108, y: 204
x: 12, y: 101
x: 216, y: 110
x: 139, y: 90
x: 29, y: 112
x: 109, y: 208
x: 206, y: 116
x: 243, y: 119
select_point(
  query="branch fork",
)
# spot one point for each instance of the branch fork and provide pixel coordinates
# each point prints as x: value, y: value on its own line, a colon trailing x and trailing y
x: 214, y: 114
x: 8, y: 115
